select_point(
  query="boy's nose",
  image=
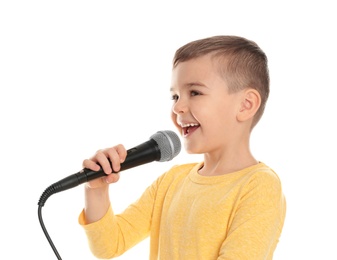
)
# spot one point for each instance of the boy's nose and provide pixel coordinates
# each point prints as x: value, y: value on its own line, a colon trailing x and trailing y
x: 180, y: 107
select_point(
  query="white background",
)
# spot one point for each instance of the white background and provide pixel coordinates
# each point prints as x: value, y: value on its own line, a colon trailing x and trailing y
x: 77, y: 76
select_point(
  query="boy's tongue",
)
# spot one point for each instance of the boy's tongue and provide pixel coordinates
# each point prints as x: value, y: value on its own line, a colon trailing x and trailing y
x: 190, y: 129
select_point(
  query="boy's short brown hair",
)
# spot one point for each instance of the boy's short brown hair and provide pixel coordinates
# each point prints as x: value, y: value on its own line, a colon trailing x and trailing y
x: 242, y: 63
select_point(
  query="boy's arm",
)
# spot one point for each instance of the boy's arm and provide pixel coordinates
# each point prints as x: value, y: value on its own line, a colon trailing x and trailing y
x: 97, y: 199
x: 97, y: 203
x: 112, y: 235
x: 256, y: 227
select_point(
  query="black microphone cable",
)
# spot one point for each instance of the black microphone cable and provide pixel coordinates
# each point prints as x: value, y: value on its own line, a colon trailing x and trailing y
x: 64, y: 184
x: 45, y: 195
x: 46, y: 233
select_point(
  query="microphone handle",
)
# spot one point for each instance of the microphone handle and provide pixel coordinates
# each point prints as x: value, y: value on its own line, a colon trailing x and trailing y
x: 141, y: 154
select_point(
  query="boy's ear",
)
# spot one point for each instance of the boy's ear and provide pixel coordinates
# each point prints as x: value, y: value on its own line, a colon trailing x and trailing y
x: 250, y: 103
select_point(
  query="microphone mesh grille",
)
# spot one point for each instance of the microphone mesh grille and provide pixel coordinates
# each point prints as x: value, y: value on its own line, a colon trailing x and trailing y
x: 168, y: 144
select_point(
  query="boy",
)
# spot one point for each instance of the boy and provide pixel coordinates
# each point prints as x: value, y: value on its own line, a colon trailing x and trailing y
x: 229, y: 206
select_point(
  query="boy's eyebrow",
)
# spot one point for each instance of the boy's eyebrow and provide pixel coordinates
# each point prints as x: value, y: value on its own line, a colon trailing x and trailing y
x: 192, y: 84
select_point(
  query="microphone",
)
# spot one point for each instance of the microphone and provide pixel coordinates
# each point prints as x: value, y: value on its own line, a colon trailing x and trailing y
x: 162, y: 146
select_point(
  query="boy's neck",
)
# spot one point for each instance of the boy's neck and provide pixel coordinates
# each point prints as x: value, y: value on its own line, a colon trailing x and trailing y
x: 214, y: 166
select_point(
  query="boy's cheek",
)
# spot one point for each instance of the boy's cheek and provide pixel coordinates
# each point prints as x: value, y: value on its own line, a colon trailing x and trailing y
x: 174, y: 120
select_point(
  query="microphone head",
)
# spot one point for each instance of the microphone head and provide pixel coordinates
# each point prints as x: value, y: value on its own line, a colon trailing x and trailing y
x: 168, y: 144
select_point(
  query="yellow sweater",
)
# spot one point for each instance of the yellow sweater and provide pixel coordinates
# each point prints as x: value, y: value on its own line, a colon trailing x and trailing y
x: 234, y: 216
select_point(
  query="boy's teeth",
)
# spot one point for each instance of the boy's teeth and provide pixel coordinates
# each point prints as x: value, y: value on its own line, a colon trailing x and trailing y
x: 190, y: 125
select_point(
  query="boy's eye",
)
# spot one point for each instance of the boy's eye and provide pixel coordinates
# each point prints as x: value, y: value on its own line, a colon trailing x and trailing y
x: 174, y: 97
x: 194, y: 93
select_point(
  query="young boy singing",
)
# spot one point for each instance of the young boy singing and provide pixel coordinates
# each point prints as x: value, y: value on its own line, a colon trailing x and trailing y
x: 228, y: 206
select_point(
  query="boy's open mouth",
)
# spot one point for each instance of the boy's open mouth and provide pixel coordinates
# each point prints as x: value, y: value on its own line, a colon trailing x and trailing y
x: 189, y: 129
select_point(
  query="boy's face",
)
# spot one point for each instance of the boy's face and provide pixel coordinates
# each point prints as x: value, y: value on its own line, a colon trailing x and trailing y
x: 203, y: 111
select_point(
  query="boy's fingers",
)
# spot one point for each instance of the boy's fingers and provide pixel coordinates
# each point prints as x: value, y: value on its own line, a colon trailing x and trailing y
x: 89, y: 164
x: 121, y: 152
x: 116, y: 155
x: 103, y: 161
x: 109, y: 159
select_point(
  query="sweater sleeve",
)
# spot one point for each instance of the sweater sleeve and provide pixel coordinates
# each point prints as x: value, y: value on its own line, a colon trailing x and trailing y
x: 257, y: 221
x: 114, y: 234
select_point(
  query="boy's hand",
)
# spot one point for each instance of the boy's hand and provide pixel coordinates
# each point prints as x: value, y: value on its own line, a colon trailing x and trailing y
x: 116, y: 155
